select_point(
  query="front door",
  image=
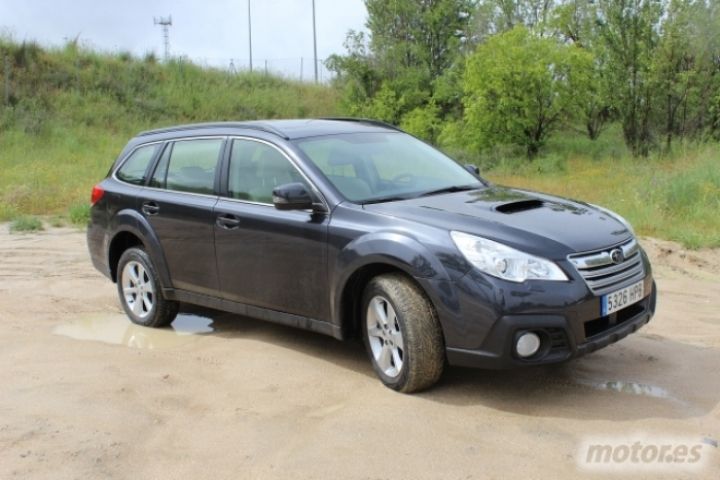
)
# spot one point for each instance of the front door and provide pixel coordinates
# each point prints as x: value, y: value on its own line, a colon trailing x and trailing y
x: 266, y: 257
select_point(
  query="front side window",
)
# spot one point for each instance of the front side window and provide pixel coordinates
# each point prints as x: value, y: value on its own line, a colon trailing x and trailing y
x: 135, y: 167
x: 368, y: 167
x: 256, y: 169
x: 189, y: 166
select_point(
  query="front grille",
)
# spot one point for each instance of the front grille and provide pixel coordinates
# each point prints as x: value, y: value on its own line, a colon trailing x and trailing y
x: 603, y: 274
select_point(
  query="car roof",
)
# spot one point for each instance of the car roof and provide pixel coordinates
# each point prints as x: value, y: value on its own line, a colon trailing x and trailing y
x: 287, y: 129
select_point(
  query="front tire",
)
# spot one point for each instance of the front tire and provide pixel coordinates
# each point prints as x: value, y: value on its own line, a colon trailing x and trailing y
x: 402, y: 334
x: 140, y: 293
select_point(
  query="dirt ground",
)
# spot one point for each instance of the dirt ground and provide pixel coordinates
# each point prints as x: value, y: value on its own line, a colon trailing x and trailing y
x: 85, y: 394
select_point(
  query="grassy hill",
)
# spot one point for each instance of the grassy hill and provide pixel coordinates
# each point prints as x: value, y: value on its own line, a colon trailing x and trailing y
x: 70, y: 111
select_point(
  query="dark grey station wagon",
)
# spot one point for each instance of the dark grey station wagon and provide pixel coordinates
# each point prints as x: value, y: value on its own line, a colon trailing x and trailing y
x: 353, y: 228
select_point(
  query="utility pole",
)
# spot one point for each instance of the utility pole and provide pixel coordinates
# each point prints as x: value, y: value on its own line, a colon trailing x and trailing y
x: 315, y: 43
x: 165, y: 23
x: 250, y: 34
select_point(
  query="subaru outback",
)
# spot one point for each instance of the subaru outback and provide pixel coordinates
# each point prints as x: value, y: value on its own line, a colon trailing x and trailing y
x: 351, y: 227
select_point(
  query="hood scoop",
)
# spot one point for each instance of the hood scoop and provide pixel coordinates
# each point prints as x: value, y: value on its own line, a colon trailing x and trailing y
x: 519, y: 206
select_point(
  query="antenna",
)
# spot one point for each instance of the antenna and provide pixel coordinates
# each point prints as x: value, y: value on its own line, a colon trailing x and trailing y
x: 165, y: 23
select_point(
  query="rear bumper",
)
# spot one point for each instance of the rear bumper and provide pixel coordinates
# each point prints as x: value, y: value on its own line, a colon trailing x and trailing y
x: 565, y: 336
x: 96, y: 242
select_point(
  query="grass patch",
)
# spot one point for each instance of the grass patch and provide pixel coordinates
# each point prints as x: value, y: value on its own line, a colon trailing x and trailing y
x: 26, y: 223
x: 57, y: 221
x: 79, y: 214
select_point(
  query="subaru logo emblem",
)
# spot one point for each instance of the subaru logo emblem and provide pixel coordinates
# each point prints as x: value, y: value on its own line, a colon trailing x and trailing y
x: 617, y: 256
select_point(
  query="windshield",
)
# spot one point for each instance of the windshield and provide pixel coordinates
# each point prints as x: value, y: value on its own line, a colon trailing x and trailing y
x: 373, y: 167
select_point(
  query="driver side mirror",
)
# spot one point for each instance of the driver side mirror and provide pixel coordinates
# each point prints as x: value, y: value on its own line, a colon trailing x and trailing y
x: 292, y: 196
x: 472, y: 169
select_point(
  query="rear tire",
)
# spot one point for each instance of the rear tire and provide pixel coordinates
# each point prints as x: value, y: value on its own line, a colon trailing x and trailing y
x: 140, y: 293
x: 402, y: 334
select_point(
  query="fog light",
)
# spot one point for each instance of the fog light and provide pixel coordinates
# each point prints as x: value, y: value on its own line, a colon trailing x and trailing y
x: 527, y: 344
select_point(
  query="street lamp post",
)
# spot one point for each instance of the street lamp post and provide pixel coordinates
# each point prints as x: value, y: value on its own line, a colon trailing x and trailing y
x: 315, y: 43
x: 250, y: 35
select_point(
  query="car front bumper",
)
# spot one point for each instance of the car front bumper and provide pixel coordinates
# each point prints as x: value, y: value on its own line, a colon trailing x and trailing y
x: 566, y: 316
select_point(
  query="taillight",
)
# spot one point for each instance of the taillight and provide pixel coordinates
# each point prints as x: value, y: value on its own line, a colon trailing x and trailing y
x: 97, y: 194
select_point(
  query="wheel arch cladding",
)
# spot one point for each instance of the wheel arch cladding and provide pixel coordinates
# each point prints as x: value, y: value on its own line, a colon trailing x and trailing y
x: 118, y: 245
x: 130, y: 226
x: 376, y: 254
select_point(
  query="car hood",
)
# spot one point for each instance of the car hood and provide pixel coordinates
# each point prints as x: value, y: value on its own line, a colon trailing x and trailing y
x: 536, y: 223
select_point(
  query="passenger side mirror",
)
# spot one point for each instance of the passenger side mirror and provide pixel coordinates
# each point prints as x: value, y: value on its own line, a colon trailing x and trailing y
x: 292, y: 196
x: 472, y: 169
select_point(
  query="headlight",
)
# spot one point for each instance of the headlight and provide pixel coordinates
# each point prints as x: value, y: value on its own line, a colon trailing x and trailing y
x: 504, y: 262
x: 616, y: 216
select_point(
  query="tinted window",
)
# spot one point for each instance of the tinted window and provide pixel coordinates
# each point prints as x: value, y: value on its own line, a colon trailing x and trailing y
x: 160, y: 175
x: 256, y: 169
x: 192, y: 166
x: 134, y: 169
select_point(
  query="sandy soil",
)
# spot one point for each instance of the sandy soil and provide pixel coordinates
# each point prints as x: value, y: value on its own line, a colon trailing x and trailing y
x: 85, y: 394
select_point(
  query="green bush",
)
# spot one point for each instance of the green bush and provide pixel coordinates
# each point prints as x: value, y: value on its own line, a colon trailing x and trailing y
x: 26, y: 223
x: 423, y: 122
x: 79, y: 214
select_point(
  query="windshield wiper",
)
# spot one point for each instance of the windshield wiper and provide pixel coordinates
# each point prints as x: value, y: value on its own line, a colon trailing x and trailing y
x: 451, y: 189
x: 392, y: 198
x: 396, y: 198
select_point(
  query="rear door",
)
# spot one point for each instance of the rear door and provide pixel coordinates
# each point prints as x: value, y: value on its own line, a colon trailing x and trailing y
x: 267, y: 257
x: 178, y: 203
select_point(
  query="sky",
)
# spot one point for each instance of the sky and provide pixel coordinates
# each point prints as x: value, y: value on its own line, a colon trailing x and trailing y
x: 210, y: 32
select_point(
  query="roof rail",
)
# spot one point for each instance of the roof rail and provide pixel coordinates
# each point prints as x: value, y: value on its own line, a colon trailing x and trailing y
x: 262, y: 127
x: 369, y: 121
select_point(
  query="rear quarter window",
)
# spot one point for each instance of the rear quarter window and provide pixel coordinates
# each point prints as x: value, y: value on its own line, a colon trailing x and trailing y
x: 135, y: 168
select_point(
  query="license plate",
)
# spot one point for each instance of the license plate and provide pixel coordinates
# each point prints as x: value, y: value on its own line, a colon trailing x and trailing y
x: 612, y: 302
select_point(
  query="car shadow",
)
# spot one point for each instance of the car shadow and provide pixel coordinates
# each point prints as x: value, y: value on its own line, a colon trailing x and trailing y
x: 644, y: 376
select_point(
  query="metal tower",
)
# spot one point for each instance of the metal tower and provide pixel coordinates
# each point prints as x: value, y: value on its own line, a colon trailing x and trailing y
x: 165, y: 23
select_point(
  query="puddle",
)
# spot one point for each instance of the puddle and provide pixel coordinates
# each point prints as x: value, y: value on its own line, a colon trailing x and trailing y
x: 643, y: 390
x: 633, y: 388
x: 117, y: 329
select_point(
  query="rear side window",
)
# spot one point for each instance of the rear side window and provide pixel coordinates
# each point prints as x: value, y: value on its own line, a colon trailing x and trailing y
x: 189, y: 166
x: 136, y: 166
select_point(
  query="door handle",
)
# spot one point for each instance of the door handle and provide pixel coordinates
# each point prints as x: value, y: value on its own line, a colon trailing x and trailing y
x: 228, y: 222
x: 150, y: 208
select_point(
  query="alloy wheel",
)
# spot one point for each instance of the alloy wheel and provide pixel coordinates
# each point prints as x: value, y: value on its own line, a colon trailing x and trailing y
x: 384, y: 336
x: 138, y: 289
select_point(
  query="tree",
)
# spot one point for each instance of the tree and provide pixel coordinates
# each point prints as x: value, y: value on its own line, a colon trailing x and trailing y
x: 630, y: 35
x: 497, y: 16
x: 423, y: 34
x: 686, y: 68
x: 356, y: 73
x: 576, y: 23
x: 411, y: 51
x: 518, y: 87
